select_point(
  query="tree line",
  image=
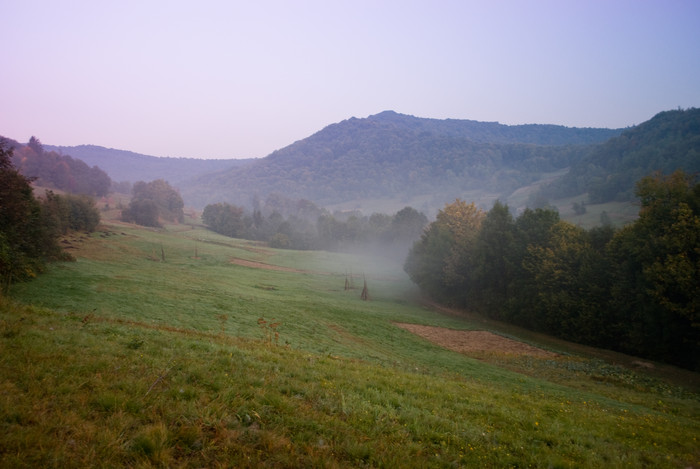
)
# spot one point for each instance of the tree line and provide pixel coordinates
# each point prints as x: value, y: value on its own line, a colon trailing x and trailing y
x: 30, y: 227
x: 635, y: 290
x: 310, y: 227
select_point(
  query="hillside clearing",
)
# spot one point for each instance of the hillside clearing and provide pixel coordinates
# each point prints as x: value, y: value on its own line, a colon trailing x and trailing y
x: 470, y: 342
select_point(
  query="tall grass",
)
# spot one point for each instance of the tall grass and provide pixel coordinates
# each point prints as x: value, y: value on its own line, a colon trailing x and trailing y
x: 123, y: 359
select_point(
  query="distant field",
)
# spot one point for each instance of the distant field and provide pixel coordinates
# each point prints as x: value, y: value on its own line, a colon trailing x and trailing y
x: 619, y: 213
x: 183, y: 348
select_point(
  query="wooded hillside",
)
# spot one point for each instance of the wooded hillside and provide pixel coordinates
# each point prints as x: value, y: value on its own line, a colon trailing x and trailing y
x: 390, y: 155
x: 668, y: 142
x: 128, y: 166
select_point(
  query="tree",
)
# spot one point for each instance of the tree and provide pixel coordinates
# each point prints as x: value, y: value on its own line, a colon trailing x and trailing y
x: 495, y: 259
x: 25, y: 243
x: 442, y: 261
x: 153, y: 200
x: 225, y: 219
x: 532, y: 228
x: 565, y: 300
x: 407, y: 225
x: 63, y: 213
x: 142, y: 212
x: 426, y: 261
x: 656, y: 281
x: 35, y: 145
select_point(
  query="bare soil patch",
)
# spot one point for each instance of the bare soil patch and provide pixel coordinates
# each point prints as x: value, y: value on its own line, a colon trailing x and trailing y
x: 262, y: 265
x: 475, y: 342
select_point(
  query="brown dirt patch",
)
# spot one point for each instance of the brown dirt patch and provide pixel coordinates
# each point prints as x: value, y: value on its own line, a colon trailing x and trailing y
x: 262, y: 265
x: 475, y: 342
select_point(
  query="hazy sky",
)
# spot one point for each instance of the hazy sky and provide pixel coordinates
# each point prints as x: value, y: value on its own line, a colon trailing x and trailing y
x: 231, y: 79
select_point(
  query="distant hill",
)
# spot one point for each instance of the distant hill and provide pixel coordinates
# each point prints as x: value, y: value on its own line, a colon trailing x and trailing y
x: 123, y: 165
x: 667, y: 142
x: 57, y: 171
x: 403, y: 158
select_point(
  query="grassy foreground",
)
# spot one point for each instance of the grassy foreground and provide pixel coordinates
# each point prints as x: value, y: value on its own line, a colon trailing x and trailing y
x: 160, y: 349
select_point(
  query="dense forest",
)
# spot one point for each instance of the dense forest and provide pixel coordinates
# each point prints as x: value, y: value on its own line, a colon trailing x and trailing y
x: 667, y: 142
x: 395, y: 156
x: 494, y: 132
x: 57, y: 171
x: 30, y: 226
x: 635, y: 290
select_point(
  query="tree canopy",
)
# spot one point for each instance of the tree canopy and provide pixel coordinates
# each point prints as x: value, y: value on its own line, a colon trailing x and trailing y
x: 152, y: 201
x: 636, y: 290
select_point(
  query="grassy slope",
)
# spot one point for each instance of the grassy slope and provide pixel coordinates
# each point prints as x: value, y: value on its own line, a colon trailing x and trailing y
x: 126, y: 359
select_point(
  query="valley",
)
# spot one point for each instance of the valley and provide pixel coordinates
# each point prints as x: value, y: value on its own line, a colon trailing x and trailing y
x: 180, y: 347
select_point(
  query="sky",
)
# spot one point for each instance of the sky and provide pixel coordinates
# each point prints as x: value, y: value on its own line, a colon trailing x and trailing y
x: 240, y: 79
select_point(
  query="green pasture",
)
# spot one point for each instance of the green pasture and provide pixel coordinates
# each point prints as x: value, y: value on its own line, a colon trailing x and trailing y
x: 158, y: 348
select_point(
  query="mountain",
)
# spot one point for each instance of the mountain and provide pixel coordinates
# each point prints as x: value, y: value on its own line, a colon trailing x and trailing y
x: 391, y: 158
x: 667, y: 142
x: 123, y: 165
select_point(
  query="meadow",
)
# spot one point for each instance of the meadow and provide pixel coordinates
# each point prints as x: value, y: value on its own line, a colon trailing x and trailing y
x: 179, y: 347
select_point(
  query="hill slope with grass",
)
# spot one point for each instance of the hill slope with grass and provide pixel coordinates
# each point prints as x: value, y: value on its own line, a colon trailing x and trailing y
x: 180, y: 347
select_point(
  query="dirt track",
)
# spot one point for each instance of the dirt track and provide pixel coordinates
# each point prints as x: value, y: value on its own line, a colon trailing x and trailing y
x: 470, y: 342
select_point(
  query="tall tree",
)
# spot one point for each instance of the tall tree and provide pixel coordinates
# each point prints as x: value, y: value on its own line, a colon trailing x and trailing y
x: 442, y: 261
x: 656, y: 285
x: 564, y: 298
x: 532, y: 229
x: 496, y: 259
x: 25, y: 243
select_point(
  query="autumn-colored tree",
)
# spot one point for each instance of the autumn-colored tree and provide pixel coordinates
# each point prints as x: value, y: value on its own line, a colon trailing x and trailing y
x: 443, y: 259
x: 58, y: 171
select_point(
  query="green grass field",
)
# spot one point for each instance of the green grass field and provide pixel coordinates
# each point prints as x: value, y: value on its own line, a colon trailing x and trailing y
x: 183, y: 348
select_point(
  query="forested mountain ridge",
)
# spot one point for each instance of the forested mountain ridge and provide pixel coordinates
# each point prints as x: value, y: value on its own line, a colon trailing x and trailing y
x: 122, y: 165
x: 391, y: 155
x: 494, y: 132
x: 667, y: 142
